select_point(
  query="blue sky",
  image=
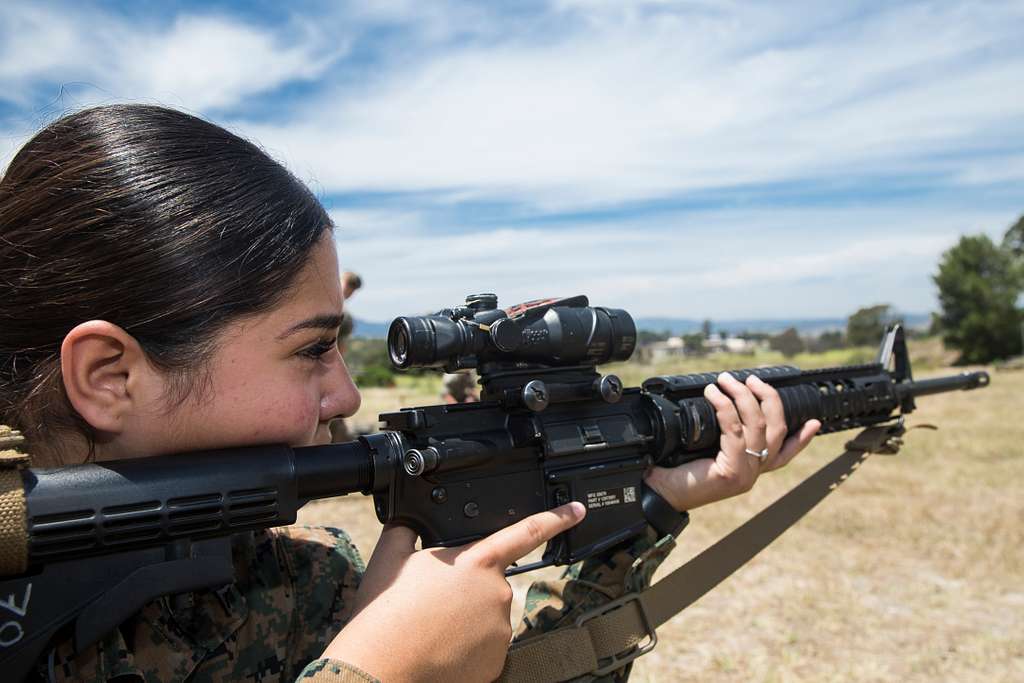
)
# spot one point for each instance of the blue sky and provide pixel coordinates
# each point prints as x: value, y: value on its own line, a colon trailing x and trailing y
x: 692, y: 159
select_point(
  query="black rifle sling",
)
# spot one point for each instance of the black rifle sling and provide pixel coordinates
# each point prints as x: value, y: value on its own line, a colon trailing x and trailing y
x: 612, y: 635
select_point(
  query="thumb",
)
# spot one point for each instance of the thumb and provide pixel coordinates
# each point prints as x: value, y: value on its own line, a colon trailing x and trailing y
x: 507, y: 545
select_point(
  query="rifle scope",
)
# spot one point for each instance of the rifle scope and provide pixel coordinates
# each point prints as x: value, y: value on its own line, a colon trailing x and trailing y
x: 550, y: 332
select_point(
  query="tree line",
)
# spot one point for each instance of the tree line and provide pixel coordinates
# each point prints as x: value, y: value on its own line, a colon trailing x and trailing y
x: 981, y: 298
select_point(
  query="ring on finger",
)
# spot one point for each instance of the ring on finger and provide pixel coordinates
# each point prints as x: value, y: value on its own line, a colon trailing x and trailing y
x: 761, y: 455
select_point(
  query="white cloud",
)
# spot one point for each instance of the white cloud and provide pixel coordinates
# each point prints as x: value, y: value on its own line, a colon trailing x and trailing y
x: 726, y: 264
x: 1007, y: 168
x: 581, y: 104
x: 585, y: 105
x: 199, y: 62
x: 647, y: 100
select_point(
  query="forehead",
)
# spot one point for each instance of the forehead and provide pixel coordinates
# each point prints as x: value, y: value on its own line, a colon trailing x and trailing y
x: 317, y: 287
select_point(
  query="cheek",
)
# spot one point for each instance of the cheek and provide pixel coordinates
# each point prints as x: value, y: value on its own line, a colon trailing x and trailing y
x: 263, y: 409
x: 292, y: 413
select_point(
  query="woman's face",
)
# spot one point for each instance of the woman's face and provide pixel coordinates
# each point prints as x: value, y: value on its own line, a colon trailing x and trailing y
x: 274, y: 378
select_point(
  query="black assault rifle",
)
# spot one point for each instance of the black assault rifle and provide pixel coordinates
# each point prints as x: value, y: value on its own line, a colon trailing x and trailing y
x: 96, y: 542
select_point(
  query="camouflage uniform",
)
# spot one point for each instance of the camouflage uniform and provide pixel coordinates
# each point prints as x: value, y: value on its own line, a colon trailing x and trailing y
x: 293, y: 592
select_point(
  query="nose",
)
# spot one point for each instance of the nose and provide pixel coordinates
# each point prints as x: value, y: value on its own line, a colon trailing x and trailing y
x: 340, y: 397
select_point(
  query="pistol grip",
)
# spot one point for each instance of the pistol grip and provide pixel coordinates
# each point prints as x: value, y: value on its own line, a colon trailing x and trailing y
x: 665, y: 519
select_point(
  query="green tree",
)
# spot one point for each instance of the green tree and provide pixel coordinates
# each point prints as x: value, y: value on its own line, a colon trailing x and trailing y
x: 865, y: 327
x: 1013, y: 243
x: 1013, y: 240
x: 978, y: 289
x: 694, y: 342
x: 649, y: 336
x: 827, y: 341
x: 789, y: 343
x: 369, y: 363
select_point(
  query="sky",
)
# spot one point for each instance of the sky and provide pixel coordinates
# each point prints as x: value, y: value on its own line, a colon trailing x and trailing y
x: 684, y: 159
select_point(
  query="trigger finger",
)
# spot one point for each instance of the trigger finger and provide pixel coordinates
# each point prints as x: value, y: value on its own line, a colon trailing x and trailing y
x: 507, y: 545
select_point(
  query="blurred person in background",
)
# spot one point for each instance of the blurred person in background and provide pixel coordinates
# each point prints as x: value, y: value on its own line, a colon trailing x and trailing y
x: 459, y: 387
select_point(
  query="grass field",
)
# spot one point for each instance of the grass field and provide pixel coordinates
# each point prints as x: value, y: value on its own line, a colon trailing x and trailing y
x: 913, y: 571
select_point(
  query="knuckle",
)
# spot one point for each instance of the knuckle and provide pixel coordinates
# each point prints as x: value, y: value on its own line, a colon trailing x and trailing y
x: 759, y: 424
x: 534, y: 530
x: 483, y: 556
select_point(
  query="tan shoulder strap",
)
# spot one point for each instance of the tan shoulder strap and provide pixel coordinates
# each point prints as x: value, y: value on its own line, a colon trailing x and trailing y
x: 612, y: 635
x: 13, y: 515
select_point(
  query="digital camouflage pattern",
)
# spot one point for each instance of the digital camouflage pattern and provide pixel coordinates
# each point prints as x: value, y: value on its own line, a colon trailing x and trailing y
x: 294, y: 590
x: 330, y: 671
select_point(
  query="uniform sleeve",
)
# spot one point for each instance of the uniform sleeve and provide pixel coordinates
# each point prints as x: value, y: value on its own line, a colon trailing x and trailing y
x: 333, y: 671
x: 326, y: 570
x: 622, y: 569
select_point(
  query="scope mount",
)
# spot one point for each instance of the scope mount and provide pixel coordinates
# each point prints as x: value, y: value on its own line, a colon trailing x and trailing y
x: 535, y: 387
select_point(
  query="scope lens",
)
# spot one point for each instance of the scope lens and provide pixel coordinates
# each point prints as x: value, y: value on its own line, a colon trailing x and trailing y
x: 398, y: 343
x: 402, y: 346
x: 430, y: 341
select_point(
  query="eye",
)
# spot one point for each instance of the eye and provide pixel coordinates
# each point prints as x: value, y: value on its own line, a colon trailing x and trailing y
x: 320, y: 349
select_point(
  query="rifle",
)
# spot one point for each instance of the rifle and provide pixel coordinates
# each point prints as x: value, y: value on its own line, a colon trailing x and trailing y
x: 93, y: 543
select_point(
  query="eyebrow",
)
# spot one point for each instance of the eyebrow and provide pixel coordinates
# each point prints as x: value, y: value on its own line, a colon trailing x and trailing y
x: 320, y: 322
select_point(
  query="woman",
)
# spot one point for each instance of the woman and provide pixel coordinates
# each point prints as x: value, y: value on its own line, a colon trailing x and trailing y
x: 166, y: 287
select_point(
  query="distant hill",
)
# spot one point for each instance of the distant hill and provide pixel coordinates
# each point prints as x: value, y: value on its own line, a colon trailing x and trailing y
x: 370, y: 330
x: 806, y: 326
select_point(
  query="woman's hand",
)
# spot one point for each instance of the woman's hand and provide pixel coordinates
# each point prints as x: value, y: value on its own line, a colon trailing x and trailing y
x: 444, y: 613
x: 750, y: 417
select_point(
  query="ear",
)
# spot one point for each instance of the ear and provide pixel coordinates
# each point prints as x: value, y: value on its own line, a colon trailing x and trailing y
x: 103, y: 367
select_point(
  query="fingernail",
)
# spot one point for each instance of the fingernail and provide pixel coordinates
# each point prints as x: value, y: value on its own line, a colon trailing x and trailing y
x: 710, y: 390
x: 577, y: 509
x: 724, y: 376
x: 755, y: 378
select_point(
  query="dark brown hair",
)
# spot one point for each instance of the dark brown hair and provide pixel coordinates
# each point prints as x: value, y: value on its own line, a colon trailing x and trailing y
x: 149, y: 218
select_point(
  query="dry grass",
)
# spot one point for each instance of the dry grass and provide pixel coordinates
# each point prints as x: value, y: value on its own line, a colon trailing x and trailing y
x: 912, y: 571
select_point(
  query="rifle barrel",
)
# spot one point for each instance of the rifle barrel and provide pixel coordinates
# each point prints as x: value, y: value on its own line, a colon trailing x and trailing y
x: 938, y: 385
